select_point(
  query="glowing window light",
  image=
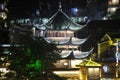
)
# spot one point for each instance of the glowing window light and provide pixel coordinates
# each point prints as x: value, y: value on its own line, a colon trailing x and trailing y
x: 65, y: 64
x: 113, y: 2
x: 74, y: 10
x: 105, y: 69
x: 75, y: 62
x: 112, y: 10
x: 3, y: 15
x: 95, y: 70
x: 2, y: 6
x: 4, y: 71
x: 64, y: 72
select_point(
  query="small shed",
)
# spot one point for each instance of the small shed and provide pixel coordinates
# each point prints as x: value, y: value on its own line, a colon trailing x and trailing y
x: 89, y: 70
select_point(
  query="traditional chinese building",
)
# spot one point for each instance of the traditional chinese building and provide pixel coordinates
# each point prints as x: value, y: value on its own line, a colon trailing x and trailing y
x: 70, y: 39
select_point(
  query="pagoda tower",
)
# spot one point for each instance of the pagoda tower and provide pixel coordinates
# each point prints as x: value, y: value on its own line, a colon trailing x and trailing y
x: 60, y: 30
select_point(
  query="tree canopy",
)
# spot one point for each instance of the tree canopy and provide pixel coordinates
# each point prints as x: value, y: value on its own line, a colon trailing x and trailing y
x: 33, y: 58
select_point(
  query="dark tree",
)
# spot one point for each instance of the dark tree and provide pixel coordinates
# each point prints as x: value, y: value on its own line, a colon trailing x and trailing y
x: 33, y: 58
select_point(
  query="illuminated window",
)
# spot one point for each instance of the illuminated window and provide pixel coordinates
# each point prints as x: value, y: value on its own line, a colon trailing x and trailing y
x: 2, y: 6
x: 74, y: 63
x: 113, y: 2
x: 93, y: 74
x: 112, y: 10
x: 105, y: 69
x: 3, y: 15
x: 51, y: 33
x: 108, y: 71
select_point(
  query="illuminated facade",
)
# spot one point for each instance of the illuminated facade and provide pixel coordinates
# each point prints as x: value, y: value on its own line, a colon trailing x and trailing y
x: 113, y: 5
x: 61, y: 30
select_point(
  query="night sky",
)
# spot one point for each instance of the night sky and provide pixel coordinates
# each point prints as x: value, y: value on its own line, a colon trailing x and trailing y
x: 23, y: 8
x: 27, y: 8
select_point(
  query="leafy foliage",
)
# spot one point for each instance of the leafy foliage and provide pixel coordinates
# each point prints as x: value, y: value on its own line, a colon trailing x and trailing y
x: 33, y: 58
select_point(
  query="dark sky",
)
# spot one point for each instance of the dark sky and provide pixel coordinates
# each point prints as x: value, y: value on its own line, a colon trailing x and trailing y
x: 28, y: 7
x: 19, y: 8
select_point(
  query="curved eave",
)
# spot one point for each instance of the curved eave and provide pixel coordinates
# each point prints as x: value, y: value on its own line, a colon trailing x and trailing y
x: 75, y: 54
x: 79, y: 54
x: 41, y: 27
x: 65, y: 53
x: 65, y: 40
x: 57, y: 40
x: 71, y: 25
x: 77, y: 41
